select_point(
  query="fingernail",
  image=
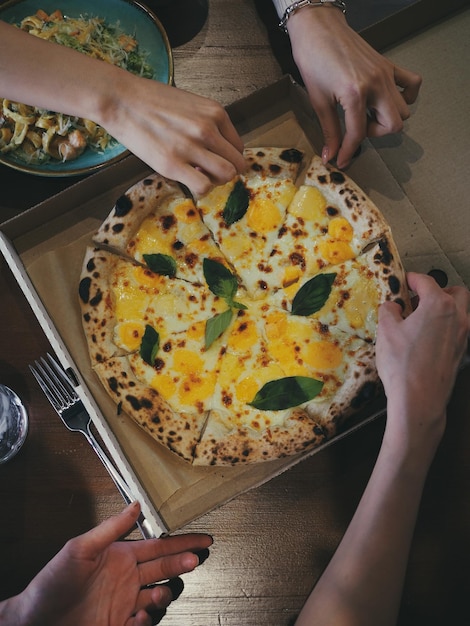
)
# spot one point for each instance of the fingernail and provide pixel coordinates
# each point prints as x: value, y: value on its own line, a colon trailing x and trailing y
x: 325, y: 154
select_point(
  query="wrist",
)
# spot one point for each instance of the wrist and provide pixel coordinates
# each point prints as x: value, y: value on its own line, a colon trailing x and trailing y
x: 286, y: 9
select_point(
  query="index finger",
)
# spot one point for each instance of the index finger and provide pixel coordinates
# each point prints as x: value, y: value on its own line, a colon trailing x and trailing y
x: 355, y: 117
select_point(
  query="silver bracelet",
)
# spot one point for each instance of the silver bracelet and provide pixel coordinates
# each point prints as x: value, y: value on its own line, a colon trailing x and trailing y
x: 300, y: 4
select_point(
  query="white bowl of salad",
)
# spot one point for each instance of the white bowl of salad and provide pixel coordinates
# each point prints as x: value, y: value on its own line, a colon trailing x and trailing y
x: 122, y: 32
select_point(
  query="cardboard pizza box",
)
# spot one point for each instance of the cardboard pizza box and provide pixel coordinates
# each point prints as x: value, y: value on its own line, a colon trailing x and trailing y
x: 45, y: 245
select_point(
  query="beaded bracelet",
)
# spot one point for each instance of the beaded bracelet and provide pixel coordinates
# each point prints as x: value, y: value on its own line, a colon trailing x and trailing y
x: 300, y: 4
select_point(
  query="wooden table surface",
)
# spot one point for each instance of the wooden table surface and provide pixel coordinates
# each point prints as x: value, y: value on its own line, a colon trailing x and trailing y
x: 271, y: 543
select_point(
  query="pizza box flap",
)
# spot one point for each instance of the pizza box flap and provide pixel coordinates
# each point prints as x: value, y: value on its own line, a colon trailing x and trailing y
x: 45, y: 247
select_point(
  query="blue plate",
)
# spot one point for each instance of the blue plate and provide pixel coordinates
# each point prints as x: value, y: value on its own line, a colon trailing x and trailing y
x: 134, y: 19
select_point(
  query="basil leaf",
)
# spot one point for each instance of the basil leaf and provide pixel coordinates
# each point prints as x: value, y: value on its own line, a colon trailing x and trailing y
x: 285, y: 393
x: 149, y: 345
x: 313, y: 295
x: 220, y: 280
x: 161, y: 264
x: 238, y: 305
x: 237, y: 204
x: 216, y: 325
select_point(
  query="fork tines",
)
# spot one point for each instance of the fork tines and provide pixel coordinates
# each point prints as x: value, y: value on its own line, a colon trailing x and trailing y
x: 54, y: 382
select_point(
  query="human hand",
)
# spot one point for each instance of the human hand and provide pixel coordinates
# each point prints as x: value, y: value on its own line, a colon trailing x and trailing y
x: 339, y: 67
x: 97, y: 579
x: 180, y: 135
x: 418, y: 357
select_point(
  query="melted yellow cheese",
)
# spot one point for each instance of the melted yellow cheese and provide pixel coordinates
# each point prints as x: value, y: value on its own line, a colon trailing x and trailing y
x: 215, y: 201
x: 309, y: 204
x: 340, y: 229
x: 129, y: 335
x: 165, y: 385
x: 151, y: 240
x: 362, y: 305
x: 186, y: 212
x: 335, y: 251
x: 324, y: 355
x: 147, y: 278
x: 244, y: 334
x: 263, y: 215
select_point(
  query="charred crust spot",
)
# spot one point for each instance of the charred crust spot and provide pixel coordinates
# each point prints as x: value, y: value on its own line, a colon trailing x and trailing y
x: 256, y: 167
x: 156, y: 419
x: 87, y: 317
x: 166, y: 346
x: 274, y: 168
x: 297, y: 259
x: 384, y: 256
x: 262, y: 285
x: 191, y: 259
x: 117, y: 228
x: 137, y: 405
x: 292, y: 155
x: 91, y: 265
x: 168, y: 221
x: 337, y: 178
x: 331, y: 211
x: 113, y: 384
x: 123, y: 206
x: 177, y: 245
x: 84, y: 289
x: 159, y: 364
x: 322, y: 179
x: 148, y: 181
x: 324, y: 329
x: 96, y: 299
x: 394, y: 284
x: 226, y: 399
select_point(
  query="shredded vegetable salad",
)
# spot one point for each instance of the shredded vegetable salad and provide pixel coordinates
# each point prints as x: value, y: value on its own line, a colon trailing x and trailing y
x: 37, y: 135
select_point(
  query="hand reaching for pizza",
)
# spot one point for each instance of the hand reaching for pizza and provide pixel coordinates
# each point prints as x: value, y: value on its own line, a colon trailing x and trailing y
x: 181, y: 135
x: 418, y: 357
x: 97, y: 579
x: 339, y: 67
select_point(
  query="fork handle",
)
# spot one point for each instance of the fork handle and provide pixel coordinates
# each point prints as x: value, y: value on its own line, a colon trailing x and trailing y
x: 142, y: 523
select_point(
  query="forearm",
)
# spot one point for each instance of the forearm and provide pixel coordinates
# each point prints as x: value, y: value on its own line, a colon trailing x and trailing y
x: 44, y: 74
x: 362, y: 584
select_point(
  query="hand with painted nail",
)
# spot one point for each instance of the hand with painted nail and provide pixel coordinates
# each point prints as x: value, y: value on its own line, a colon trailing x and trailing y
x: 338, y: 67
x: 98, y: 579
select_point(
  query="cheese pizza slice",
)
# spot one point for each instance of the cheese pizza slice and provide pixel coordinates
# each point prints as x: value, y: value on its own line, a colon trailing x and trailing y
x: 347, y: 296
x: 244, y: 215
x: 158, y: 225
x: 329, y: 221
x: 280, y: 381
x: 120, y: 300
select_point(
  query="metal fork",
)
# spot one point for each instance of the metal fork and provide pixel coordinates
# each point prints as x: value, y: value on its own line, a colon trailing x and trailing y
x: 60, y: 392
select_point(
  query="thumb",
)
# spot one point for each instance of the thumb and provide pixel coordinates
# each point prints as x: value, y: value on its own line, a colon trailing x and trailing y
x: 390, y: 313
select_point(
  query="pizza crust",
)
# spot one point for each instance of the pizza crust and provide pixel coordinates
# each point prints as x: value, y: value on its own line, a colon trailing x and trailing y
x: 132, y: 207
x: 176, y: 431
x: 224, y: 444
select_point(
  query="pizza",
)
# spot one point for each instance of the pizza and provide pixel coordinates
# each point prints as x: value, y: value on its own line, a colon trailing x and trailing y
x: 239, y: 327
